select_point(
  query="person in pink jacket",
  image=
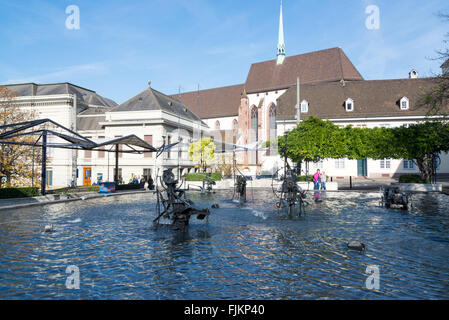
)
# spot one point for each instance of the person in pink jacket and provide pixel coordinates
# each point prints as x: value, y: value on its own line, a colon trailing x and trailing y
x: 317, y: 180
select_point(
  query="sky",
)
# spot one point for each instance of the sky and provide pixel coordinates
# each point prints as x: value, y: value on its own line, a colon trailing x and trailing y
x: 180, y: 45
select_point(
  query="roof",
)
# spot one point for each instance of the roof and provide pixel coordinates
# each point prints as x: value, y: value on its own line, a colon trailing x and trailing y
x: 151, y: 99
x: 89, y: 97
x: 325, y: 65
x: 89, y: 123
x: 374, y: 98
x: 214, y: 103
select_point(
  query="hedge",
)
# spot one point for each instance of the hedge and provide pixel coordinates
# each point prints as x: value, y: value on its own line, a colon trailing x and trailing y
x: 305, y: 179
x: 412, y: 178
x: 7, y: 193
x: 202, y: 176
x: 122, y: 187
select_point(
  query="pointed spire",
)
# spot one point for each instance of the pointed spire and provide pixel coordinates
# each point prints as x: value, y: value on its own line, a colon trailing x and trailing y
x: 281, y: 44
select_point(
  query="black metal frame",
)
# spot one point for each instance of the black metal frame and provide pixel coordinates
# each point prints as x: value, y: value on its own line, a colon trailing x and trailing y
x: 75, y: 142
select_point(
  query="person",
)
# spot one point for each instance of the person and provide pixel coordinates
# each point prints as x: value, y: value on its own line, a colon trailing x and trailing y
x: 317, y: 180
x: 323, y: 181
x: 150, y: 183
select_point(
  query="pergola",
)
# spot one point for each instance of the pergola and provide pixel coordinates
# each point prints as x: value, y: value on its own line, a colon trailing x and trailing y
x: 44, y: 128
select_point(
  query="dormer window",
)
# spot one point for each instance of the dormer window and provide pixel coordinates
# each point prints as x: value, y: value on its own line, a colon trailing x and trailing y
x: 349, y: 105
x: 304, y: 106
x: 405, y: 103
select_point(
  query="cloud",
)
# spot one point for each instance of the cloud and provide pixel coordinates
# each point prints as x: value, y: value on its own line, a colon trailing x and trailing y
x: 65, y: 74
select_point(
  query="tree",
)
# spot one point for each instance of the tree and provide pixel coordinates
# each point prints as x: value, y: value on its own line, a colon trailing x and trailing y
x: 421, y: 142
x: 15, y: 160
x: 312, y: 140
x: 436, y: 99
x: 202, y: 152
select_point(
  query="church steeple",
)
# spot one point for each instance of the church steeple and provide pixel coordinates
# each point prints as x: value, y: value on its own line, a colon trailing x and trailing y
x: 281, y: 44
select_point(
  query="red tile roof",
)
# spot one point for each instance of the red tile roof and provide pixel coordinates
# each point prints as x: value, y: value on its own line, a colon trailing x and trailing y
x: 374, y: 98
x: 213, y: 103
x: 325, y: 65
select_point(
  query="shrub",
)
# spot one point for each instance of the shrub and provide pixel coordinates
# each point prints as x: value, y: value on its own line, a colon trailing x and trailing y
x: 305, y: 179
x: 412, y: 178
x: 7, y: 193
x: 128, y: 187
x: 202, y: 176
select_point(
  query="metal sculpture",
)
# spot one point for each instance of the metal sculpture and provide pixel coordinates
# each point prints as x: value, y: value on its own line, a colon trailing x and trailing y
x: 393, y: 196
x: 240, y: 189
x: 173, y: 205
x: 207, y: 184
x: 289, y: 194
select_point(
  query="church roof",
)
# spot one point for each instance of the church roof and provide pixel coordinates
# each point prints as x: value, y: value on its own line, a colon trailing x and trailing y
x: 374, y: 98
x: 151, y: 99
x: 319, y: 66
x: 214, y: 103
x: 87, y: 96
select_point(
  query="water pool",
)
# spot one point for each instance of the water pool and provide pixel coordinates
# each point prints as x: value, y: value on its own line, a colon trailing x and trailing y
x: 248, y: 253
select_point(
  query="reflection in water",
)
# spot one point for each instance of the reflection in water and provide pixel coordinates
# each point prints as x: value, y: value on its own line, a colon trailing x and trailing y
x: 249, y: 253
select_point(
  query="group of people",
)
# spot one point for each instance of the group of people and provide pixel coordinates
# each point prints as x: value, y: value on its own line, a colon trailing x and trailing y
x: 141, y: 180
x: 319, y: 180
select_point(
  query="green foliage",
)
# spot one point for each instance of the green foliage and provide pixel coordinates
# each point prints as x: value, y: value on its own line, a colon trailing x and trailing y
x: 202, y: 152
x: 315, y: 139
x: 7, y: 193
x: 305, y: 179
x: 122, y: 187
x: 202, y: 176
x: 312, y: 140
x: 412, y: 178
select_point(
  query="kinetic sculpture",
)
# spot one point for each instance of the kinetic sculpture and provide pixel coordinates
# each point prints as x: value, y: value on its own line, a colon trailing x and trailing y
x: 240, y: 189
x: 392, y: 196
x: 172, y: 203
x: 289, y: 194
x: 207, y: 184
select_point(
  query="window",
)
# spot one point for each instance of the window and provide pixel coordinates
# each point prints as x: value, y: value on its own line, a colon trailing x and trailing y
x: 318, y: 165
x: 254, y: 135
x: 146, y: 174
x: 217, y: 125
x: 148, y: 139
x: 254, y: 124
x: 349, y: 105
x: 168, y: 143
x: 101, y: 153
x: 408, y: 164
x: 304, y: 107
x: 385, y: 164
x: 272, y: 134
x: 405, y: 103
x: 235, y: 124
x: 339, y: 163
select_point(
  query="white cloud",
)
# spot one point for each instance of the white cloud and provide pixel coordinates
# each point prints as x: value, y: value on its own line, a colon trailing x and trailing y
x: 64, y: 74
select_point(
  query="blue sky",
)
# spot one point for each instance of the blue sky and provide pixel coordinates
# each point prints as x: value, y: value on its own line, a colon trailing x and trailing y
x: 121, y: 45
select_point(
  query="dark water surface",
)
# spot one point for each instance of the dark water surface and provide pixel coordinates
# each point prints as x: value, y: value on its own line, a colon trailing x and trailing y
x: 249, y: 253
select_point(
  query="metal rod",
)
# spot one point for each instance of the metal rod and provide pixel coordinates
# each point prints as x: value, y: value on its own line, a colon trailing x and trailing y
x: 44, y: 163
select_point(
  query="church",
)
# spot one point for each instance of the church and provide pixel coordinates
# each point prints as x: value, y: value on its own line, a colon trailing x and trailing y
x: 330, y: 87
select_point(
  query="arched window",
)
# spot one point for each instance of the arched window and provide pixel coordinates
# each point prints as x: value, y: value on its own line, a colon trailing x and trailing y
x: 254, y: 124
x: 254, y: 131
x: 217, y: 125
x: 272, y: 125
